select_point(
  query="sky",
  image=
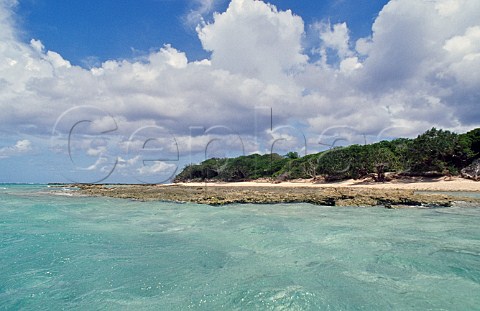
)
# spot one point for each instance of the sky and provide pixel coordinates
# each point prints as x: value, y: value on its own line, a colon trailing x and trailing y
x: 131, y: 91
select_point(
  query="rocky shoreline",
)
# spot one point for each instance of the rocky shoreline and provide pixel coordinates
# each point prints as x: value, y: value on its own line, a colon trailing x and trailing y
x: 215, y: 195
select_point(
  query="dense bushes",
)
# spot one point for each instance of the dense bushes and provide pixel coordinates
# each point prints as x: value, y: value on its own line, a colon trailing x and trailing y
x: 435, y: 152
x: 236, y: 169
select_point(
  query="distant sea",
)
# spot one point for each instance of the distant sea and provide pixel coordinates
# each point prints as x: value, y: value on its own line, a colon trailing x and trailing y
x: 62, y: 252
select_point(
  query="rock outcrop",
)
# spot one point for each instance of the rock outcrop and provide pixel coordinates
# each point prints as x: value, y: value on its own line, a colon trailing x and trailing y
x: 215, y: 195
x: 472, y: 171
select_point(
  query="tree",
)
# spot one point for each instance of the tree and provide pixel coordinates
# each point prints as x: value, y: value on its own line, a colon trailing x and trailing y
x: 292, y: 155
x: 310, y: 168
x: 436, y: 151
x: 335, y: 164
x: 470, y: 142
x: 383, y: 160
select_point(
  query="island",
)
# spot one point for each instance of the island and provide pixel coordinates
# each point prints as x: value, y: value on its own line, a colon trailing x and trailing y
x: 403, y: 172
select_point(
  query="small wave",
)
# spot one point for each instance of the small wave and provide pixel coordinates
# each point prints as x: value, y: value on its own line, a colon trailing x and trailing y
x: 70, y: 189
x: 67, y: 193
x: 64, y: 194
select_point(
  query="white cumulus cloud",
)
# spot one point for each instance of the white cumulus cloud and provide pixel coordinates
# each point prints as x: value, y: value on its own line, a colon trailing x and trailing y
x: 20, y: 147
x: 419, y: 68
x: 256, y: 40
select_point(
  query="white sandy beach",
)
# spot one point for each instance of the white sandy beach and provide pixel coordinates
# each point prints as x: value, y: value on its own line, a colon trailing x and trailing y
x: 425, y: 184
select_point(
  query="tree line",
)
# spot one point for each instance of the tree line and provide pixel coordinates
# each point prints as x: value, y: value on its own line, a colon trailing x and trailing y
x: 434, y: 153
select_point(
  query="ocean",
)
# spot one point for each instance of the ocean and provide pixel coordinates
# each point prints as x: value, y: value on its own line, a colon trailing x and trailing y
x: 63, y: 252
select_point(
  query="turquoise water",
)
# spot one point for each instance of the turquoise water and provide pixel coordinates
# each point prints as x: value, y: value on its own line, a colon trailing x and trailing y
x: 463, y: 194
x: 78, y: 253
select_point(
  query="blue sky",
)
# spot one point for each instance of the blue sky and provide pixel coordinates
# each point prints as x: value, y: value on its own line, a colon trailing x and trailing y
x: 88, y: 32
x: 131, y: 91
x: 108, y: 29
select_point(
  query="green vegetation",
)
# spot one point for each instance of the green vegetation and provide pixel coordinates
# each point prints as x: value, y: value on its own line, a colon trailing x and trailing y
x: 236, y: 169
x: 433, y: 153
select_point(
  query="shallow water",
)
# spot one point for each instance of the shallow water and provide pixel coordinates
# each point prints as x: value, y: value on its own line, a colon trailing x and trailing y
x: 463, y: 194
x: 63, y: 252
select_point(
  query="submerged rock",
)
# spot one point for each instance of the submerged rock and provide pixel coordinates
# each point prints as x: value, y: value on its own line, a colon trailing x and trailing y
x: 472, y: 171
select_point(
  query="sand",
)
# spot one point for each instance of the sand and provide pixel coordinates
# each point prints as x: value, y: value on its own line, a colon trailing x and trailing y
x: 416, y: 184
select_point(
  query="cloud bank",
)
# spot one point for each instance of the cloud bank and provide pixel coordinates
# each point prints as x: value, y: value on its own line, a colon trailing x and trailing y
x: 419, y: 68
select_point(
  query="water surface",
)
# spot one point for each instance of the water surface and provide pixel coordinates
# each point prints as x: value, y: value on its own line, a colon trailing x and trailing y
x: 64, y: 252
